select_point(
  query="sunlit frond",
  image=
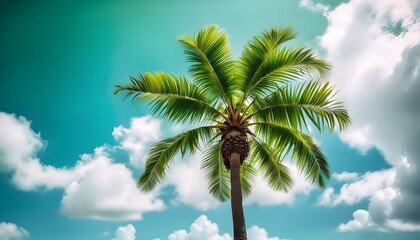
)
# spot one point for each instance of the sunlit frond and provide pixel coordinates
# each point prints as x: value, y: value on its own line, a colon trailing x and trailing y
x: 257, y: 49
x: 212, y: 66
x: 219, y: 177
x: 168, y: 96
x: 284, y: 65
x: 216, y: 173
x: 276, y: 174
x: 163, y: 152
x: 248, y: 173
x: 293, y: 105
x: 302, y: 149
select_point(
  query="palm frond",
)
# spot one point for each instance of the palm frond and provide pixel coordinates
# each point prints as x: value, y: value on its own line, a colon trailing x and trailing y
x: 276, y: 174
x: 219, y: 177
x: 282, y: 66
x: 168, y: 96
x: 216, y: 173
x: 212, y: 65
x: 163, y: 152
x: 293, y: 104
x: 301, y: 147
x: 248, y: 173
x: 257, y: 49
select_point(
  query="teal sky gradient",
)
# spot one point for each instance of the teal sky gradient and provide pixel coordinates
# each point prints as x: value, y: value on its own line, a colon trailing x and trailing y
x: 60, y: 61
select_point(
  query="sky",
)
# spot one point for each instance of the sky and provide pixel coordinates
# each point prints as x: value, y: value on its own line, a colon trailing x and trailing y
x: 71, y: 152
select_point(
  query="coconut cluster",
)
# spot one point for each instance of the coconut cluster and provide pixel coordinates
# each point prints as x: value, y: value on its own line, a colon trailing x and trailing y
x: 234, y: 142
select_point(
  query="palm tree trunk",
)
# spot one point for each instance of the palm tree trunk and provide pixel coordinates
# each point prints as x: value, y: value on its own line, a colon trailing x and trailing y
x: 239, y: 229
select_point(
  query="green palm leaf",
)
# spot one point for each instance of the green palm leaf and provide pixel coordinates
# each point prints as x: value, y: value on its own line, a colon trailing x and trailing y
x: 218, y: 176
x: 212, y: 65
x: 216, y: 173
x: 293, y: 104
x: 258, y: 48
x: 302, y: 148
x: 168, y: 95
x: 276, y: 174
x: 163, y: 152
x: 284, y: 65
x: 248, y: 173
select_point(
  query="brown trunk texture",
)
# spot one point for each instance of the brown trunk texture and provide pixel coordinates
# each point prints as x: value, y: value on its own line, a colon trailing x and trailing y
x: 239, y: 229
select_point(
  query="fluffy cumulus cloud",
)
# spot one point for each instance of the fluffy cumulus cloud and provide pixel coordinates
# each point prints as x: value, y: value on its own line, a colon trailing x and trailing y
x: 263, y: 195
x: 19, y: 145
x: 316, y: 7
x: 125, y: 233
x: 355, y: 191
x: 95, y: 187
x: 345, y: 176
x: 259, y: 233
x: 106, y: 191
x: 375, y: 51
x: 142, y: 132
x: 193, y: 193
x: 204, y: 229
x: 12, y: 231
x: 201, y: 228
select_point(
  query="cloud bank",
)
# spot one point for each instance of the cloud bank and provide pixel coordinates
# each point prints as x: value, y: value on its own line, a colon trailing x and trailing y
x: 95, y: 187
x: 142, y: 132
x: 10, y: 231
x: 204, y: 229
x: 375, y: 51
x: 125, y: 233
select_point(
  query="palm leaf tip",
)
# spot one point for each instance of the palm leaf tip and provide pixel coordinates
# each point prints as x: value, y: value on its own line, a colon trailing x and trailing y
x: 168, y: 95
x: 216, y: 173
x: 211, y: 61
x: 275, y: 173
x: 164, y: 151
x: 303, y: 150
x: 295, y: 105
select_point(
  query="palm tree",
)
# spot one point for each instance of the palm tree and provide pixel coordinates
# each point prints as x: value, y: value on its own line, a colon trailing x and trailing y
x: 254, y: 113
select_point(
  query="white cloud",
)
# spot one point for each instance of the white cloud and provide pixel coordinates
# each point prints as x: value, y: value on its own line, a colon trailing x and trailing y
x: 383, y: 72
x: 359, y: 138
x: 378, y: 216
x: 379, y: 188
x: 95, y: 187
x: 263, y: 195
x: 10, y: 231
x: 194, y: 193
x: 125, y: 233
x: 345, y: 176
x: 203, y: 229
x: 375, y: 51
x: 354, y: 192
x: 142, y: 132
x: 316, y: 7
x: 258, y: 233
x: 19, y: 145
x: 146, y: 130
x: 326, y: 197
x: 107, y: 191
x: 361, y: 221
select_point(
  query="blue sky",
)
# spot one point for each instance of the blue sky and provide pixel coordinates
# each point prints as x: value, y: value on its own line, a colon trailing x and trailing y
x: 71, y: 152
